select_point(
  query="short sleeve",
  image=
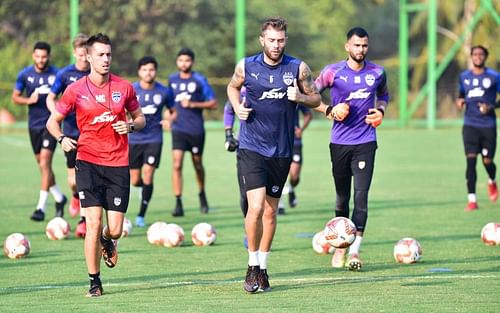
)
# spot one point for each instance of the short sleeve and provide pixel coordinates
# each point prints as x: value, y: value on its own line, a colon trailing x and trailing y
x: 67, y: 102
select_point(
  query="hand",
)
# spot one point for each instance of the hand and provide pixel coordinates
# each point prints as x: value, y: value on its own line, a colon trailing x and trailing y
x: 68, y: 144
x: 338, y: 112
x: 121, y: 127
x: 293, y: 92
x: 186, y: 103
x: 243, y: 111
x: 33, y: 98
x: 231, y: 144
x: 460, y: 103
x: 165, y: 124
x: 298, y: 132
x: 483, y: 107
x: 374, y: 117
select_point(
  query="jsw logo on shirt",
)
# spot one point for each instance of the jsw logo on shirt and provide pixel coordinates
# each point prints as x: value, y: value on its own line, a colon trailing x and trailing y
x: 358, y: 94
x: 273, y: 94
x: 43, y: 89
x: 182, y: 96
x: 476, y: 92
x: 104, y: 117
x: 149, y: 109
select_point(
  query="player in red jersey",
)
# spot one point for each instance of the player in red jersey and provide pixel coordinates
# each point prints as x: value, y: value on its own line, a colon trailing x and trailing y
x: 101, y: 101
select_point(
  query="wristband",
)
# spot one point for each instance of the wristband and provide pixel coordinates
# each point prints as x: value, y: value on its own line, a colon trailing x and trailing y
x: 229, y: 133
x: 131, y: 127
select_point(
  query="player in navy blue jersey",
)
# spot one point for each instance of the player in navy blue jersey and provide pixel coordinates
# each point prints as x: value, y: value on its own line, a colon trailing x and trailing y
x: 65, y: 77
x: 478, y: 90
x: 275, y: 83
x: 296, y: 166
x: 36, y: 81
x: 145, y: 146
x: 192, y: 94
x: 359, y: 97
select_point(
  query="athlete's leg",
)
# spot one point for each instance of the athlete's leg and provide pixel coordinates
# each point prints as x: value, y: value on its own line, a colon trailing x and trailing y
x: 471, y: 174
x: 147, y: 188
x: 200, y: 170
x: 268, y: 223
x: 114, y: 226
x: 135, y: 177
x: 343, y: 194
x: 92, y: 244
x: 177, y: 162
x: 45, y: 164
x: 295, y: 168
x: 253, y: 220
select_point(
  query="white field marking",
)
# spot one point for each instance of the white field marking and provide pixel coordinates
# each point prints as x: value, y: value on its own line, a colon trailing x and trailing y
x: 14, y: 141
x: 283, y: 281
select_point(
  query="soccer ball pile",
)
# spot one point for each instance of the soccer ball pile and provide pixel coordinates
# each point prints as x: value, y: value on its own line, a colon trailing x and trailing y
x: 407, y: 251
x: 16, y: 246
x: 203, y: 234
x: 57, y: 229
x: 167, y: 235
x: 127, y: 228
x: 490, y: 234
x: 340, y: 232
x: 320, y: 245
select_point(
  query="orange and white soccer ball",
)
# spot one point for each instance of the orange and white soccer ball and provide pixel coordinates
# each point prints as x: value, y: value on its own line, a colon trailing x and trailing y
x: 340, y: 232
x: 320, y: 245
x: 490, y: 234
x: 203, y: 234
x: 16, y: 246
x: 407, y: 251
x: 156, y: 232
x: 127, y: 228
x: 173, y: 236
x: 57, y: 229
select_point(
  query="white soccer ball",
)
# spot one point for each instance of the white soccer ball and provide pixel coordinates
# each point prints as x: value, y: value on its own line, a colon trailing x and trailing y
x: 16, y: 246
x: 320, y: 245
x: 57, y: 229
x: 127, y: 228
x: 407, y: 251
x: 340, y: 232
x: 490, y: 234
x: 203, y: 234
x: 173, y: 236
x: 155, y: 233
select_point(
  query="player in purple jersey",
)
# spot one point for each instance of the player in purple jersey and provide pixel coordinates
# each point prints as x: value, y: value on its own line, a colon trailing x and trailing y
x: 65, y: 77
x: 274, y: 84
x: 359, y: 97
x: 36, y: 80
x: 478, y: 90
x: 145, y: 146
x: 192, y: 94
x: 296, y: 166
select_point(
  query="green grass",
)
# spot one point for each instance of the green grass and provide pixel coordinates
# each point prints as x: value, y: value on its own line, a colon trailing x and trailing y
x: 418, y: 190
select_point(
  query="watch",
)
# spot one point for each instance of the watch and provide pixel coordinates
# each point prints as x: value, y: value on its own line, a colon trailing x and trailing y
x: 131, y: 127
x: 60, y: 139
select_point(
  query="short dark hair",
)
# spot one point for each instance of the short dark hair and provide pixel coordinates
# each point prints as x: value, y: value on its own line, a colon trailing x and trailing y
x: 42, y: 45
x: 147, y: 60
x: 358, y: 31
x: 186, y: 51
x: 276, y: 22
x: 100, y: 38
x: 479, y: 47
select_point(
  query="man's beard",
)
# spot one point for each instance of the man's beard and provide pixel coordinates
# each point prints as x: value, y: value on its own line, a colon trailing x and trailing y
x: 269, y: 55
x: 358, y: 60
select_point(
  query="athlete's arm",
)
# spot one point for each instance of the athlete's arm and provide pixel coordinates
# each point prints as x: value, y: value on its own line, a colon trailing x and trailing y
x: 234, y: 91
x: 308, y: 116
x: 210, y: 104
x: 304, y: 90
x: 54, y: 127
x: 51, y: 101
x: 18, y: 98
x: 138, y: 122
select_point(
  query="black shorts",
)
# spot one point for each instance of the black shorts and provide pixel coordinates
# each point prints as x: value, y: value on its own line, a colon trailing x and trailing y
x: 71, y: 157
x: 187, y: 142
x: 297, y: 154
x: 148, y: 153
x: 258, y: 171
x: 41, y: 138
x: 105, y: 186
x: 348, y: 160
x: 480, y: 140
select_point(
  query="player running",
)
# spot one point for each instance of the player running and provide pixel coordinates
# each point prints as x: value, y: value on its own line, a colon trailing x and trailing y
x: 478, y: 90
x: 64, y: 78
x: 101, y: 101
x: 192, y: 94
x: 146, y: 144
x: 274, y: 84
x: 37, y: 80
x: 359, y: 97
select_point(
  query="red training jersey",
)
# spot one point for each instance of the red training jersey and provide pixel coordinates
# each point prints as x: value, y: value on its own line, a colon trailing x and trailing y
x: 97, y: 108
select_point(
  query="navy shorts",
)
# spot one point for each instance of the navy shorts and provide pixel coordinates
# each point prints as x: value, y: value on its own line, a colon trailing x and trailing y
x: 41, y: 138
x: 147, y: 153
x: 480, y: 140
x: 187, y: 142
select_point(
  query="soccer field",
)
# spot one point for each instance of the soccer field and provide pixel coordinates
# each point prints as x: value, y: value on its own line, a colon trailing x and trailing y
x: 418, y: 190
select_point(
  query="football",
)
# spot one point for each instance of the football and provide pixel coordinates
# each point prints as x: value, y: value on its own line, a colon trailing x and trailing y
x: 340, y: 232
x: 490, y: 234
x: 407, y: 251
x: 57, y: 229
x: 203, y: 234
x: 155, y: 233
x: 173, y: 236
x: 16, y: 246
x: 127, y: 228
x: 320, y: 245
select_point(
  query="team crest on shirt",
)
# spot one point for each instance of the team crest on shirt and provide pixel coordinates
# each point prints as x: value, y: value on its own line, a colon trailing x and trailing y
x: 288, y: 78
x: 487, y: 82
x: 117, y: 201
x: 52, y: 79
x: 369, y: 79
x: 116, y: 96
x: 157, y: 99
x: 191, y: 87
x: 361, y: 164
